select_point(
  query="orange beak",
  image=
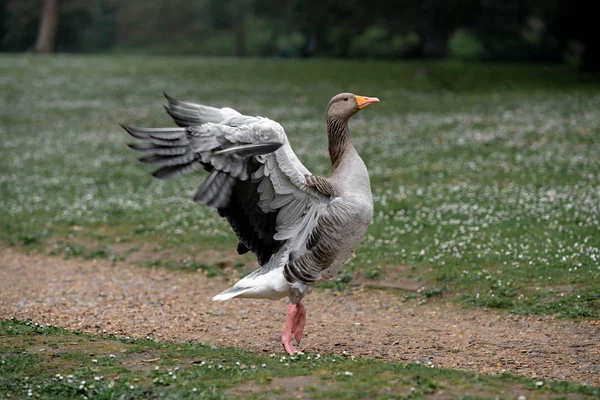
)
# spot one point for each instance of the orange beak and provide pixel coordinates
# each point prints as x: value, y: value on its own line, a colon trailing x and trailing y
x: 365, y: 101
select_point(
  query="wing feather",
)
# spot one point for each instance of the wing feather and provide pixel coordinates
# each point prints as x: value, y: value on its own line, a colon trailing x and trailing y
x: 257, y: 182
x: 280, y: 201
x: 186, y: 114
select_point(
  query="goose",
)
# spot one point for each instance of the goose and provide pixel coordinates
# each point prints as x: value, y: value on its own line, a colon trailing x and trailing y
x: 301, y: 227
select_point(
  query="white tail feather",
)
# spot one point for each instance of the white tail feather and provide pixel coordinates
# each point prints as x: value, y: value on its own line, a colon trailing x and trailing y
x: 258, y: 285
x: 230, y: 293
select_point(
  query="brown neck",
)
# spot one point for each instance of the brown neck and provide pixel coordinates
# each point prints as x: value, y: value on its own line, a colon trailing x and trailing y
x: 339, y: 139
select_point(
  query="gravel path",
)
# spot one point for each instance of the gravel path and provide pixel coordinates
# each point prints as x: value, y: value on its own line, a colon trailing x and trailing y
x: 128, y: 300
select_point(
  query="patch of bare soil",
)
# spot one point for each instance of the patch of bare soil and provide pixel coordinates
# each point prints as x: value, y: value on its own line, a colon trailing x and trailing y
x: 139, y: 253
x: 97, y: 296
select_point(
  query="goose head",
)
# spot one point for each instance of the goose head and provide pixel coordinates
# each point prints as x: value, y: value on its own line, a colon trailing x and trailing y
x: 345, y: 105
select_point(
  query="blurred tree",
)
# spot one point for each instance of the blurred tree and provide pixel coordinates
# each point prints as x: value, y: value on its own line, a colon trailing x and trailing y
x: 498, y: 30
x: 517, y: 30
x: 164, y: 25
x: 22, y: 25
x: 3, y: 19
x: 577, y: 22
x: 48, y: 26
x: 438, y: 19
x: 97, y: 27
x: 85, y: 25
x: 240, y: 10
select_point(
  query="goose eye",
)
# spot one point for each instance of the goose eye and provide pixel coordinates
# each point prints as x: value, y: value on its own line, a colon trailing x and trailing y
x: 345, y: 99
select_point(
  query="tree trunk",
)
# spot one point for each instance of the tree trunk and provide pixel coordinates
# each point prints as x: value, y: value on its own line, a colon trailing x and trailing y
x: 48, y: 26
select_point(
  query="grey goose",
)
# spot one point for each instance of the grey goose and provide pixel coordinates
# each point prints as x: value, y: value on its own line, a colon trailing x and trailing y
x: 302, y: 227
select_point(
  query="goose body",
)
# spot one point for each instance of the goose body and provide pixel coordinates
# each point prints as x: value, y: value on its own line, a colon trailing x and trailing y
x: 301, y: 227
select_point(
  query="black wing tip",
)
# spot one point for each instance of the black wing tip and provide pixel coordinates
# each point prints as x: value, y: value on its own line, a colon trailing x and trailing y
x: 169, y: 110
x: 132, y: 131
x: 150, y: 160
x: 163, y: 173
x: 169, y: 98
x: 138, y: 147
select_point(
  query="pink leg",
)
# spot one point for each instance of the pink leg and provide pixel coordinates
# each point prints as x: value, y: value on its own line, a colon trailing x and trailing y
x: 290, y: 322
x: 300, y: 322
x: 294, y: 326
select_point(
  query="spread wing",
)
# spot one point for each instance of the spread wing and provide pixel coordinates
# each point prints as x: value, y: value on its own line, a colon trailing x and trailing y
x: 256, y: 180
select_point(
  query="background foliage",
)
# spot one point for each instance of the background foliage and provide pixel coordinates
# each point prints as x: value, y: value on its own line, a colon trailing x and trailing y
x: 506, y: 30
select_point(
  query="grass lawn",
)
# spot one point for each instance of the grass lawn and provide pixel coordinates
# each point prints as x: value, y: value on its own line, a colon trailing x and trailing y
x: 486, y: 178
x: 51, y: 363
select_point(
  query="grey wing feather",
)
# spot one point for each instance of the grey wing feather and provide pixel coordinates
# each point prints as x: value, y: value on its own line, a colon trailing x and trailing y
x: 175, y: 171
x: 216, y: 190
x: 186, y: 114
x: 159, y: 150
x: 256, y: 182
x: 144, y: 133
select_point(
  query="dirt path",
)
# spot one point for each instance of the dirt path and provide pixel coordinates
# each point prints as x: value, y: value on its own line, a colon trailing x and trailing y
x: 129, y: 300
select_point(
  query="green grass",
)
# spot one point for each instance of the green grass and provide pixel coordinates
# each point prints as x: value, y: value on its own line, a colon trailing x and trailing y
x: 187, y: 265
x: 52, y: 363
x: 486, y: 178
